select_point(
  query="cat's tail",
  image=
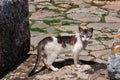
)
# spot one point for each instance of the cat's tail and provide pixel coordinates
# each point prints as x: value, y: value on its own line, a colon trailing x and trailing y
x: 39, y: 49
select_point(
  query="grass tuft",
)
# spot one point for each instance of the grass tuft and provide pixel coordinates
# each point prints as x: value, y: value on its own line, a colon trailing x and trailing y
x: 39, y: 30
x: 103, y: 38
x: 102, y: 20
x: 50, y: 22
x: 54, y: 10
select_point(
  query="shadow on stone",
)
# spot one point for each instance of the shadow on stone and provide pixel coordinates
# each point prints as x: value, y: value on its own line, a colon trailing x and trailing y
x: 15, y: 66
x: 59, y: 64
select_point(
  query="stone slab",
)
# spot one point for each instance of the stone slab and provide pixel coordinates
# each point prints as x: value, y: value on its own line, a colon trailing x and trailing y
x: 99, y: 26
x: 84, y: 17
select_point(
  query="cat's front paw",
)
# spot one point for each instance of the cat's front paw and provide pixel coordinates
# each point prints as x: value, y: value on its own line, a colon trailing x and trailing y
x: 55, y: 69
x: 77, y: 66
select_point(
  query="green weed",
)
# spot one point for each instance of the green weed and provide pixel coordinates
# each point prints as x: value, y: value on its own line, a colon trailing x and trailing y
x: 54, y: 10
x: 36, y: 8
x: 31, y: 22
x: 103, y: 38
x: 102, y: 20
x: 39, y: 30
x: 50, y: 22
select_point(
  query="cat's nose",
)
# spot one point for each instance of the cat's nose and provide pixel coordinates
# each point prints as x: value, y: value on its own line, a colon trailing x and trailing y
x: 113, y: 68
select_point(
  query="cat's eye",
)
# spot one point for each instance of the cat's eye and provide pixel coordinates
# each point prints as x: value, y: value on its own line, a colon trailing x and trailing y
x: 88, y: 36
x: 82, y: 36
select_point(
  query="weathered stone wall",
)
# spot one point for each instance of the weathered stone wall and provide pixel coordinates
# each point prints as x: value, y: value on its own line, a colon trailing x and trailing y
x: 14, y: 32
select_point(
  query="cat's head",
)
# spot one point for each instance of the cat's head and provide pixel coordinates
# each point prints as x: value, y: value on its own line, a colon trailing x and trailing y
x: 113, y: 63
x: 85, y: 34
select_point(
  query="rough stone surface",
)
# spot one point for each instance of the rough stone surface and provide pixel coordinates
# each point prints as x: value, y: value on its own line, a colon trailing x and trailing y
x: 61, y: 17
x: 108, y: 43
x: 42, y: 14
x: 86, y: 58
x: 14, y: 33
x: 39, y: 24
x: 112, y: 6
x: 31, y: 8
x: 95, y: 47
x: 73, y: 28
x: 84, y: 53
x: 84, y: 17
x: 89, y: 9
x: 100, y: 53
x: 99, y: 26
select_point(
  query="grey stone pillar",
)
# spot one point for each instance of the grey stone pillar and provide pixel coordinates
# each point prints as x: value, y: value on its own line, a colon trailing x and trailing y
x: 14, y: 33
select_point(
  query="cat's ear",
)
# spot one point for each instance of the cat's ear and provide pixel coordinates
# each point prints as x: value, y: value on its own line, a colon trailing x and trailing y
x: 91, y: 30
x: 80, y: 29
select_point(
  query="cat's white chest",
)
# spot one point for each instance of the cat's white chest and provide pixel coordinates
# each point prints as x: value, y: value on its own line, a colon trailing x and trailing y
x: 78, y: 45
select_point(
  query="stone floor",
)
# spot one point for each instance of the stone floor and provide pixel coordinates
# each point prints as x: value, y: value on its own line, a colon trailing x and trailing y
x: 62, y: 17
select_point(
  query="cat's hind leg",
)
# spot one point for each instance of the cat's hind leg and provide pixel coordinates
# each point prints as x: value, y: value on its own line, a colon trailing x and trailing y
x: 49, y: 61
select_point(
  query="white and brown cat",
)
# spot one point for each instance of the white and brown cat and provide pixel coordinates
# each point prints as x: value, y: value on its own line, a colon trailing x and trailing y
x: 50, y: 47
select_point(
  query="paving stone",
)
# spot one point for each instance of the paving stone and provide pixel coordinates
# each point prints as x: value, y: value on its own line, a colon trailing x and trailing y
x: 95, y: 47
x: 36, y: 39
x: 31, y: 8
x: 42, y: 14
x: 105, y: 57
x: 75, y: 22
x: 64, y: 5
x: 49, y: 18
x: 51, y: 30
x: 99, y: 26
x: 84, y: 17
x: 93, y: 42
x: 41, y: 0
x: 100, y: 61
x: 91, y: 9
x: 106, y: 35
x: 73, y: 28
x: 34, y: 34
x: 101, y: 78
x: 86, y: 58
x: 66, y: 34
x: 39, y: 24
x: 49, y: 6
x: 100, y: 53
x: 112, y: 6
x: 108, y: 43
x: 112, y: 18
x: 66, y: 1
x: 45, y: 4
x: 84, y: 53
x: 88, y: 1
x: 96, y: 33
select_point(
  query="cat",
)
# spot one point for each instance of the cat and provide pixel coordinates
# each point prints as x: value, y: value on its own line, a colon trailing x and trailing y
x: 50, y: 47
x: 113, y: 64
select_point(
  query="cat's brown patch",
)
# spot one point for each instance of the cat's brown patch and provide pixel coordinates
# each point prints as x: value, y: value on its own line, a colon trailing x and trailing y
x: 63, y: 40
x: 73, y: 40
x: 116, y: 50
x: 118, y: 36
